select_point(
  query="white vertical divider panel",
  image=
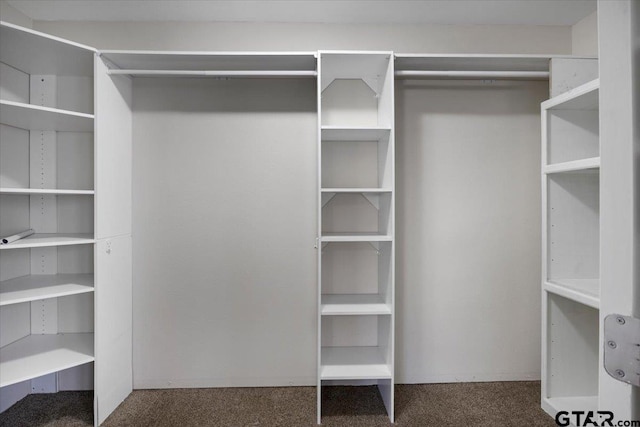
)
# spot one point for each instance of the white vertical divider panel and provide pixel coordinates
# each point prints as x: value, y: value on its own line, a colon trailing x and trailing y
x: 113, y: 135
x: 113, y: 333
x: 386, y: 328
x: 319, y: 244
x: 43, y: 216
x: 619, y: 44
x: 113, y: 266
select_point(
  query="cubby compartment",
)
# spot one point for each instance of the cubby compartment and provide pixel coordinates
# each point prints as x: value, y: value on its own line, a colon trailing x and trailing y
x: 356, y: 160
x: 45, y: 162
x: 356, y: 90
x: 573, y: 239
x: 356, y: 348
x: 572, y: 125
x: 572, y: 334
x: 361, y: 213
x: 29, y: 274
x: 42, y: 71
x: 356, y: 279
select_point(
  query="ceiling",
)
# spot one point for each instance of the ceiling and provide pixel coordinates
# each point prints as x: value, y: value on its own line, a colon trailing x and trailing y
x: 475, y: 12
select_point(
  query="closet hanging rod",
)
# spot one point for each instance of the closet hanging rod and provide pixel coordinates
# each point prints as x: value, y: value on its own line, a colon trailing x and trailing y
x: 216, y: 73
x: 494, y: 75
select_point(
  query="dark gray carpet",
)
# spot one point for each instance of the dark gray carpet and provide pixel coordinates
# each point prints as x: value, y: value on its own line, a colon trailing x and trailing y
x: 465, y: 404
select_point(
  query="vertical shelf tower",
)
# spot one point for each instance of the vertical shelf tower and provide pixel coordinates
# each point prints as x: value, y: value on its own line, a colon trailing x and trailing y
x: 571, y: 358
x: 356, y: 221
x: 65, y: 291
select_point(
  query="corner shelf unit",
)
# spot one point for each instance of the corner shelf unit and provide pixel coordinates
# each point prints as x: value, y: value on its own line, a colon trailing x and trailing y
x: 571, y: 250
x: 55, y: 160
x: 356, y: 222
x: 46, y: 184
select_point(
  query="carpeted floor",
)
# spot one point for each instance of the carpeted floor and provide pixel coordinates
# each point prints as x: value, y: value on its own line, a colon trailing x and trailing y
x: 464, y: 404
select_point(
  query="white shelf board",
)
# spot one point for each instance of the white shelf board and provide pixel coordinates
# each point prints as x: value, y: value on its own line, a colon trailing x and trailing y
x: 35, y: 117
x: 37, y: 355
x: 553, y: 405
x: 471, y: 62
x: 573, y: 166
x: 349, y: 134
x: 42, y: 286
x: 353, y: 363
x: 583, y: 97
x: 355, y: 190
x: 34, y: 52
x: 353, y: 304
x: 209, y: 61
x: 39, y: 240
x: 355, y: 237
x: 247, y: 74
x: 36, y: 191
x: 584, y: 291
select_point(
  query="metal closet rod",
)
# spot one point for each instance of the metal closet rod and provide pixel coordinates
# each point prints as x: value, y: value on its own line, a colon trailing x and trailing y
x: 216, y: 73
x: 453, y: 74
x: 442, y: 75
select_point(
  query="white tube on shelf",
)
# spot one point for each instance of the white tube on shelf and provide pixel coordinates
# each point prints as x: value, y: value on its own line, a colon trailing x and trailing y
x: 13, y: 238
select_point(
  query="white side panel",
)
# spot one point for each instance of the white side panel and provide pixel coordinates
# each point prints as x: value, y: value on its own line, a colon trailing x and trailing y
x: 568, y: 73
x: 113, y: 317
x: 619, y: 22
x: 113, y: 145
x: 13, y: 393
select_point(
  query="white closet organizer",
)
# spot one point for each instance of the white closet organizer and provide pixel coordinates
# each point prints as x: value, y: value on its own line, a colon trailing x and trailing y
x: 356, y: 221
x: 65, y: 291
x: 571, y: 250
x: 65, y: 171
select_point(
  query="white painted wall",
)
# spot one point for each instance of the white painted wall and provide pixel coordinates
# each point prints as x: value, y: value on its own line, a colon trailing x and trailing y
x: 584, y: 36
x: 233, y: 302
x: 251, y: 36
x: 468, y: 230
x: 9, y: 13
x: 223, y: 232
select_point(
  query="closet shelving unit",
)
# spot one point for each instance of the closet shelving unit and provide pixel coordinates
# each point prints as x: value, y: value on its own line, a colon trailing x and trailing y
x: 46, y: 183
x: 571, y: 250
x: 64, y: 291
x: 356, y: 221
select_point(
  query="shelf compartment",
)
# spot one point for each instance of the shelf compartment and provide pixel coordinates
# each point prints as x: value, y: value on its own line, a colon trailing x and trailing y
x: 582, y: 165
x: 353, y: 363
x: 573, y: 226
x: 45, y: 191
x: 571, y: 334
x: 38, y: 53
x: 355, y: 237
x: 584, y: 291
x: 39, y: 240
x: 37, y: 355
x: 572, y: 125
x: 583, y: 97
x: 34, y: 117
x: 38, y: 287
x: 339, y: 133
x: 354, y: 304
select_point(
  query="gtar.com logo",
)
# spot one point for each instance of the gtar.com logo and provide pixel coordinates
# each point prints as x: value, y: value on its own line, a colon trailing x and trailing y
x: 591, y: 418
